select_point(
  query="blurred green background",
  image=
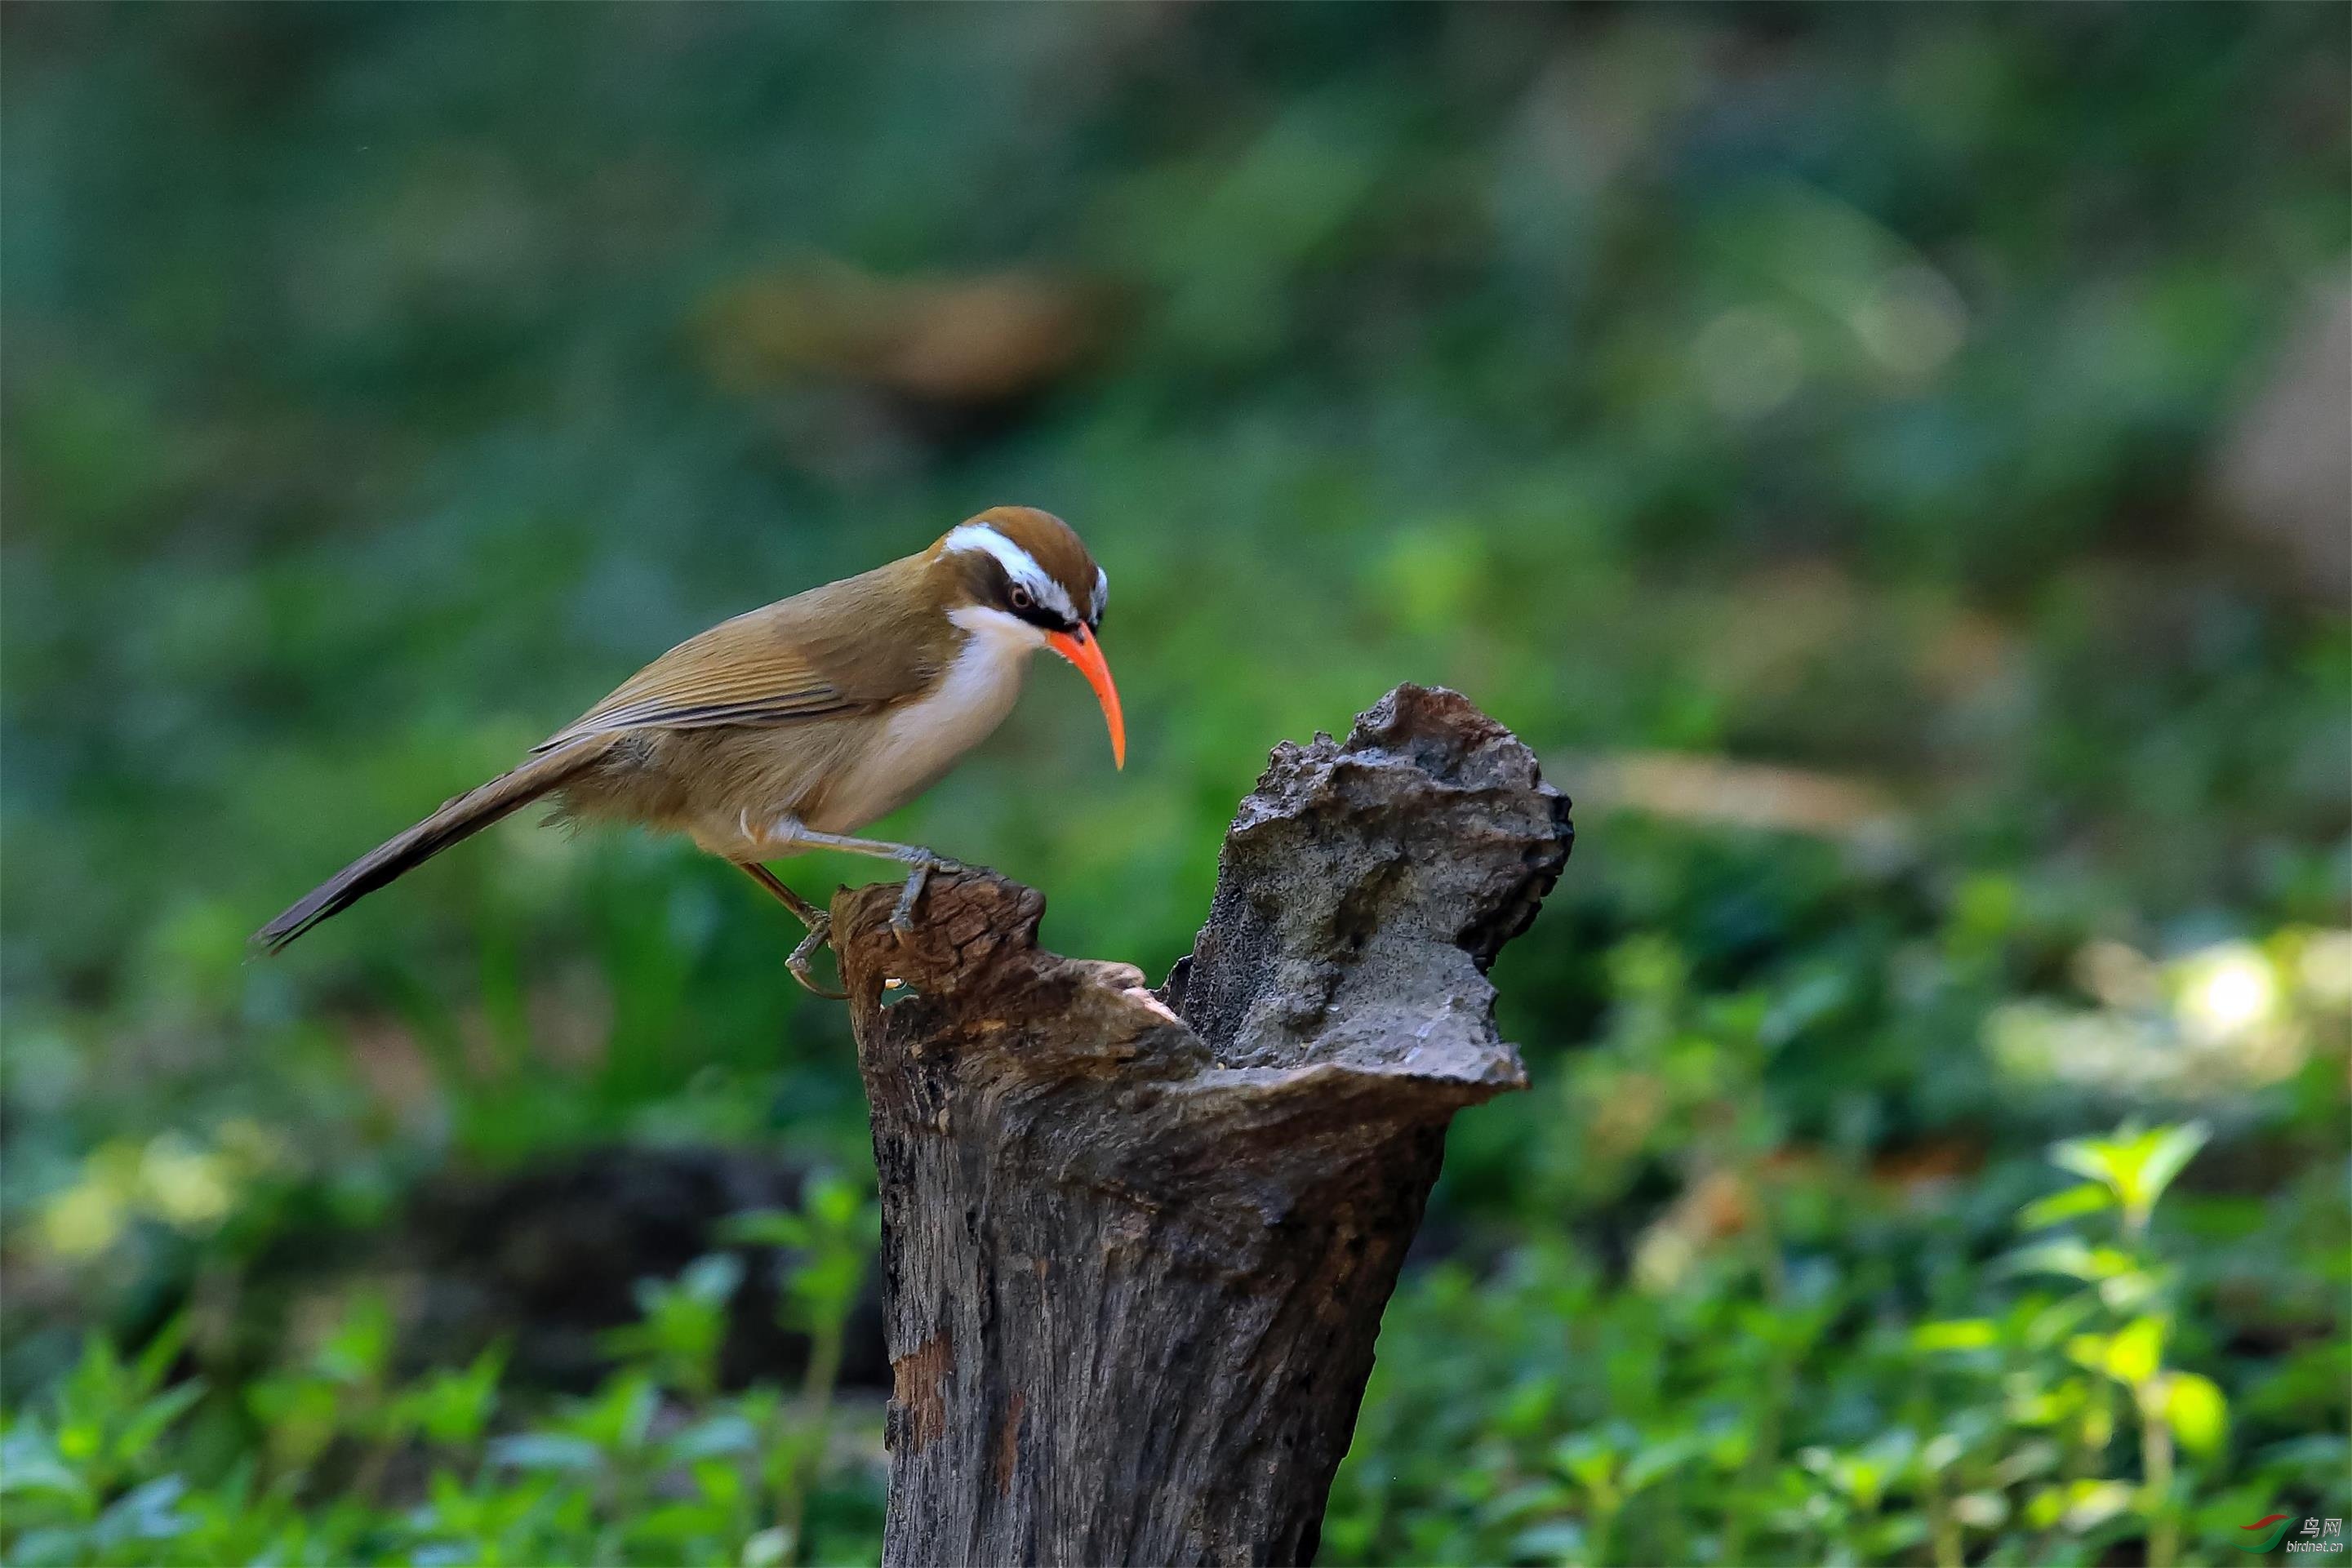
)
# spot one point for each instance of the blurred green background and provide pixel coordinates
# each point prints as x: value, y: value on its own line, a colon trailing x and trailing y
x: 1890, y: 463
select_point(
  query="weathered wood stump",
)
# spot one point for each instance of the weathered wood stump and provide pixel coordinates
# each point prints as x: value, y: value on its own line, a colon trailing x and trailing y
x: 1136, y: 1247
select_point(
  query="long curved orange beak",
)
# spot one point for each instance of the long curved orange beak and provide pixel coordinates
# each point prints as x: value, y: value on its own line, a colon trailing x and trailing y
x: 1083, y: 649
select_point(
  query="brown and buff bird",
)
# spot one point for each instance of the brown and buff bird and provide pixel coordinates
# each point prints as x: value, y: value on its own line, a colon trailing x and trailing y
x: 790, y: 728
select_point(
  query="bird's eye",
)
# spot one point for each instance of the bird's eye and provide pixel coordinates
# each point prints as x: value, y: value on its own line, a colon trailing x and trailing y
x: 1019, y: 599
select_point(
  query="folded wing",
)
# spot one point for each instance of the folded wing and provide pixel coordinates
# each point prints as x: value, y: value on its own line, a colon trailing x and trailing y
x: 746, y: 670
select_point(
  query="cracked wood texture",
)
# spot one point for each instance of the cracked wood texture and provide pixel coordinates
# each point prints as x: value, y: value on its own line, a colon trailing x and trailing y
x: 1136, y: 1245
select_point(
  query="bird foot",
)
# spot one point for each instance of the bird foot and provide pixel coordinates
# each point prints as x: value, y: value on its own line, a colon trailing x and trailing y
x: 902, y: 914
x: 820, y: 933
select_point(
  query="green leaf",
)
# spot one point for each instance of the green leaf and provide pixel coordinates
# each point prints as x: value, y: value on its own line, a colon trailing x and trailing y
x: 31, y: 1470
x: 711, y: 1279
x: 617, y: 1419
x: 2069, y: 1256
x: 2091, y: 1503
x: 1556, y: 1541
x: 723, y: 1433
x: 456, y: 1407
x: 835, y: 1202
x: 154, y: 1417
x: 1590, y: 1460
x: 155, y: 1361
x: 2073, y: 1203
x: 2195, y: 1410
x: 678, y: 1521
x: 455, y: 1508
x: 1657, y: 1459
x: 2134, y: 1354
x: 2094, y: 1157
x: 2167, y: 1151
x: 768, y: 1548
x: 358, y: 1350
x: 1528, y: 1499
x: 766, y: 1228
x: 150, y: 1512
x: 2135, y: 1166
x: 79, y: 1440
x: 2088, y: 1350
x: 719, y: 1481
x: 1956, y: 1334
x: 546, y: 1451
x: 57, y: 1543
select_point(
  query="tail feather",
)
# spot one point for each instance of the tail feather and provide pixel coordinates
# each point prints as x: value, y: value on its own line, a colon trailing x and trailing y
x: 467, y: 815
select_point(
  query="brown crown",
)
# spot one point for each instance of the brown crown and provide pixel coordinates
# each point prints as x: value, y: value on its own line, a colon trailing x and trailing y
x: 1052, y: 544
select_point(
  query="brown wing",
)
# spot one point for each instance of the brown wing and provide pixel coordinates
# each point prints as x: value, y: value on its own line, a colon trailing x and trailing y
x: 747, y: 671
x: 851, y: 647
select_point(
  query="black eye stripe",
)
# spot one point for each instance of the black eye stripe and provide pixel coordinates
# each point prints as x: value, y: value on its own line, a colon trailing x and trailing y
x: 1020, y: 600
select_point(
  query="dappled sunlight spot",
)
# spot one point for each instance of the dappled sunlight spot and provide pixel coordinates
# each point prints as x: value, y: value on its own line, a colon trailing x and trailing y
x: 2231, y: 1016
x: 2119, y: 975
x: 1662, y: 1260
x: 172, y: 1179
x: 187, y: 1186
x: 85, y: 1219
x: 2324, y: 970
x: 253, y: 1146
x: 2225, y: 992
x: 2042, y: 1042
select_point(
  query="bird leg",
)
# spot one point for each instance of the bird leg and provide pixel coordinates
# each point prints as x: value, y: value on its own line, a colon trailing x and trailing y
x: 919, y: 863
x: 819, y: 923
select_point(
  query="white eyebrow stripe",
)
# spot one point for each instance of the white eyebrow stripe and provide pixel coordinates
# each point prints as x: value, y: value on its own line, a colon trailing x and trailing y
x: 1018, y: 563
x: 1102, y: 592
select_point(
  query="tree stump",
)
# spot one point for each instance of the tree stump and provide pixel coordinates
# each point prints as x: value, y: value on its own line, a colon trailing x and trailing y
x: 1136, y: 1246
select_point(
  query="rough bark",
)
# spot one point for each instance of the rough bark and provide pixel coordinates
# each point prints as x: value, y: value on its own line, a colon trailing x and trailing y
x: 1136, y: 1246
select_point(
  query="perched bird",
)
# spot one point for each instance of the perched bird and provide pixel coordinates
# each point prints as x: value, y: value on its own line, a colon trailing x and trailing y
x: 790, y: 728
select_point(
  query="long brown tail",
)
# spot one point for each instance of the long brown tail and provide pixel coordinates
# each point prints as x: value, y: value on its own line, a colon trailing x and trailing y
x: 467, y: 815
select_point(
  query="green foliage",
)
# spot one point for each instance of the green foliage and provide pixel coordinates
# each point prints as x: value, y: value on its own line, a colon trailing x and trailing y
x: 1748, y: 1416
x: 91, y: 1463
x: 349, y: 1464
x: 2130, y: 1170
x: 684, y: 1323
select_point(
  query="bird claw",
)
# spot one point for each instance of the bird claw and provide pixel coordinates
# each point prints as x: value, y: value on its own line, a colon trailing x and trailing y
x: 902, y: 914
x: 820, y: 933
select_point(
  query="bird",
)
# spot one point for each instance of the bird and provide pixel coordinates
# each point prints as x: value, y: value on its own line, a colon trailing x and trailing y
x: 790, y: 727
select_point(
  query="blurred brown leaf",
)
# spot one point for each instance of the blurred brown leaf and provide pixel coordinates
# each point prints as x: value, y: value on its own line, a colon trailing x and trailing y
x: 986, y: 339
x: 1701, y: 788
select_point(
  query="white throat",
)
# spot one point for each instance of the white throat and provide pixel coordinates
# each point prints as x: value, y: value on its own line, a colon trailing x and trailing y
x: 925, y: 739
